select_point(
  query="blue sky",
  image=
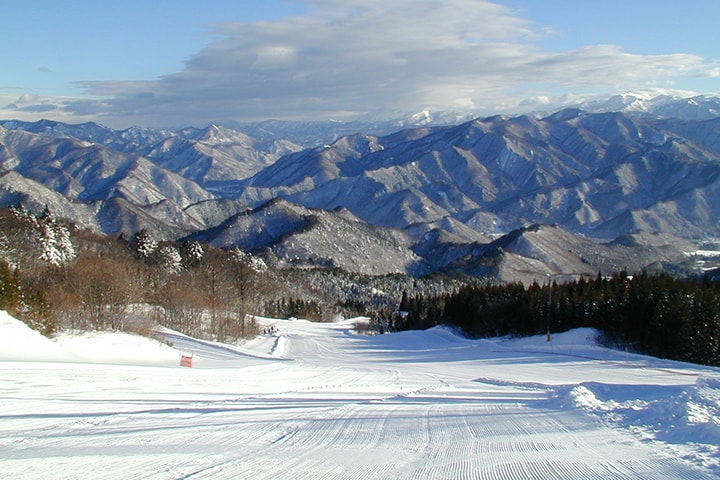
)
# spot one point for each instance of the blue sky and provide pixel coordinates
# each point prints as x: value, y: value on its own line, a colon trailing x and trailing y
x: 176, y: 63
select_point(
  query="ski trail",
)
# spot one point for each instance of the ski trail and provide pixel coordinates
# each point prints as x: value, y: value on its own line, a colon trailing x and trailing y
x: 417, y: 406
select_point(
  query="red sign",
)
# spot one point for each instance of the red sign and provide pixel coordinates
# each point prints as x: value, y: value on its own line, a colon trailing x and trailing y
x: 185, y: 360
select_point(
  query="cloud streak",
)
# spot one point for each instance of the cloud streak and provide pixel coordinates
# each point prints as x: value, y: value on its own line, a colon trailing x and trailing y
x: 348, y: 58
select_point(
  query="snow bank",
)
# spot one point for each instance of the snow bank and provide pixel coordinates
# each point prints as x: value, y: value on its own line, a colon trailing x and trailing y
x: 18, y: 342
x: 116, y: 348
x: 687, y: 418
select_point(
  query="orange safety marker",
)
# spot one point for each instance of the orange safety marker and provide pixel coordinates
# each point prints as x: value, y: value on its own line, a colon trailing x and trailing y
x: 186, y: 360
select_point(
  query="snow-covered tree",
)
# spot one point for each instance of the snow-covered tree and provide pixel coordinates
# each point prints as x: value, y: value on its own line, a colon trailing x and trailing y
x: 143, y: 245
x: 49, y: 241
x: 256, y: 264
x: 194, y: 252
x: 170, y: 259
x: 21, y: 213
x: 56, y: 247
x: 238, y: 255
x: 64, y: 243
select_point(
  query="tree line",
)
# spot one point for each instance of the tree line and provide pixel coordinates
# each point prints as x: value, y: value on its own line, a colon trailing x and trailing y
x: 294, y: 308
x: 655, y: 314
x: 55, y: 276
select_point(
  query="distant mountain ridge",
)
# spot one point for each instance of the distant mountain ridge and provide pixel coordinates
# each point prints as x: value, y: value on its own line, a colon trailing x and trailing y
x: 699, y: 107
x: 406, y: 198
x: 602, y: 175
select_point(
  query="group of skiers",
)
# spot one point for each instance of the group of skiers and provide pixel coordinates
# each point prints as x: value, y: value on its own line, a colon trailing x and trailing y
x: 271, y: 330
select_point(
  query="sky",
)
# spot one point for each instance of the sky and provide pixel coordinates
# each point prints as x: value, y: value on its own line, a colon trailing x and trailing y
x: 174, y: 63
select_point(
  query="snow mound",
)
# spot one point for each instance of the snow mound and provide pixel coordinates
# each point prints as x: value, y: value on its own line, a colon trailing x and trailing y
x: 18, y: 342
x: 116, y: 348
x: 684, y: 412
x: 676, y: 415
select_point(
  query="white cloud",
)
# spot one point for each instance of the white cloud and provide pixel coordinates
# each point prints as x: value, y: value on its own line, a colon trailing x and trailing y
x: 350, y: 57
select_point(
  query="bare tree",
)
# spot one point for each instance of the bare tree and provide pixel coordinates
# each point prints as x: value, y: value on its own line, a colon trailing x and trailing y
x: 104, y: 288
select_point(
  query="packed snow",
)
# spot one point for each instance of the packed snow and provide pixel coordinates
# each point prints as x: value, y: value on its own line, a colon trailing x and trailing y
x: 316, y: 400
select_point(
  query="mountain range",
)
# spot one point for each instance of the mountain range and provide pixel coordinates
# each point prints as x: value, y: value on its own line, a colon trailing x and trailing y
x: 629, y: 183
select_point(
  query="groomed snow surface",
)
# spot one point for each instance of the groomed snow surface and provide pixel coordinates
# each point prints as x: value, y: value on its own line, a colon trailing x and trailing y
x: 315, y: 401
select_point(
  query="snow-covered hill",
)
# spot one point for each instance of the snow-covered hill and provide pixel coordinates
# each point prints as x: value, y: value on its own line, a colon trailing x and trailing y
x: 301, y: 236
x: 315, y: 400
x: 644, y: 168
x: 530, y: 253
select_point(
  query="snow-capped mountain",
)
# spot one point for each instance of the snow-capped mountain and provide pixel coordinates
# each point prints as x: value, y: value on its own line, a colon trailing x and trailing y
x: 600, y: 175
x: 418, y: 199
x: 129, y: 179
x: 90, y: 173
x: 215, y: 154
x: 699, y: 107
x: 200, y: 154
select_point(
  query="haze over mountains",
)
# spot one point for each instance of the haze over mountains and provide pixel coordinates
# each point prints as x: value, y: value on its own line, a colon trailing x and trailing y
x: 629, y: 183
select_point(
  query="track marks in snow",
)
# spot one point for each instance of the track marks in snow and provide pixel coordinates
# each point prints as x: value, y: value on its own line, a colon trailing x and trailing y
x: 344, y: 407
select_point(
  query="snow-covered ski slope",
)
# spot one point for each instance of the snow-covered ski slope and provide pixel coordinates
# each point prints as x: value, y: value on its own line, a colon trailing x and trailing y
x: 315, y: 401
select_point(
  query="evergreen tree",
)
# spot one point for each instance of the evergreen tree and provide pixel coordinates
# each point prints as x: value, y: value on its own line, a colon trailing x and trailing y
x: 659, y: 315
x: 143, y: 245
